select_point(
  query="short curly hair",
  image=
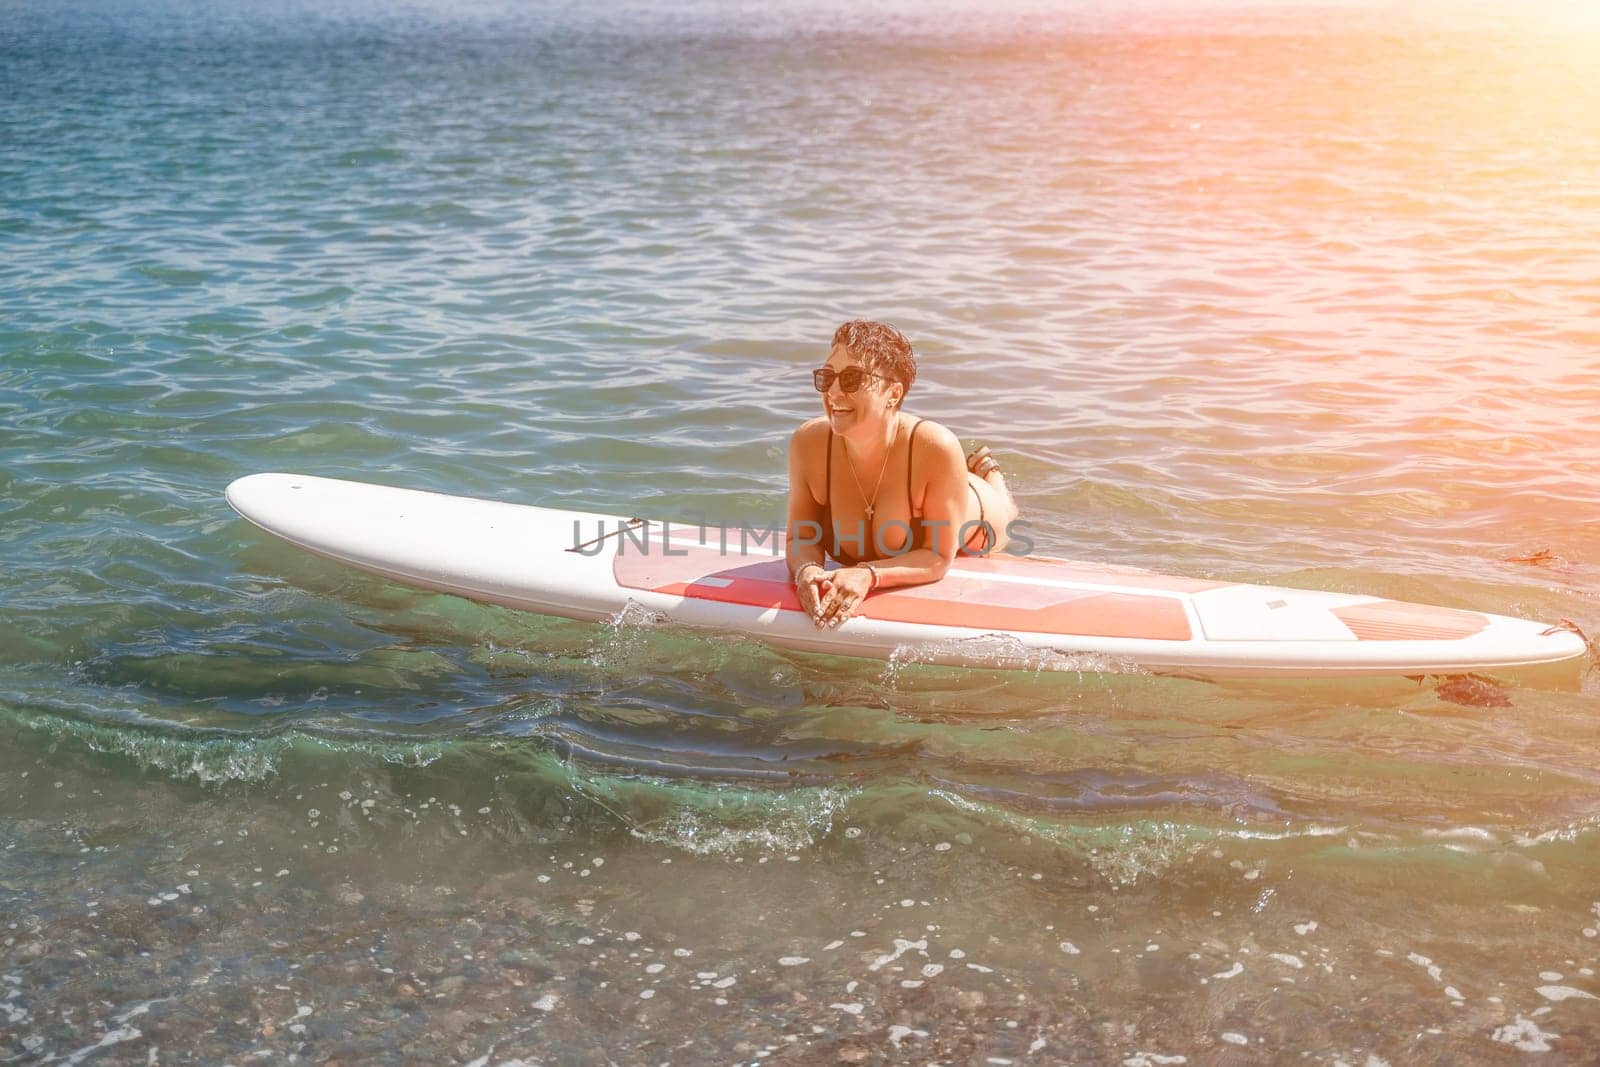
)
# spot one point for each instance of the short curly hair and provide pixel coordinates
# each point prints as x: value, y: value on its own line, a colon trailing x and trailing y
x: 881, y: 349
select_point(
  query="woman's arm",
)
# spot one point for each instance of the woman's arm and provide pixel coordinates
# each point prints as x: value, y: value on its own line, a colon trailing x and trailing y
x: 803, y: 543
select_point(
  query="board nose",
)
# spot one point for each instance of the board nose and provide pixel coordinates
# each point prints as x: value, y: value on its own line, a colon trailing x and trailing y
x: 244, y: 493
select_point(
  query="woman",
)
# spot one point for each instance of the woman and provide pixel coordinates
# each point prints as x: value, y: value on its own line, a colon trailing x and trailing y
x: 886, y: 494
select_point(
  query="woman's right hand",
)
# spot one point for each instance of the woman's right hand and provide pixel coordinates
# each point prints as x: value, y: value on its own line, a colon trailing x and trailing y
x: 811, y: 585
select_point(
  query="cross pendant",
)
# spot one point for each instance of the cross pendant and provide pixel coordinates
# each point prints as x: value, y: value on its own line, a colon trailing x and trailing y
x: 869, y: 511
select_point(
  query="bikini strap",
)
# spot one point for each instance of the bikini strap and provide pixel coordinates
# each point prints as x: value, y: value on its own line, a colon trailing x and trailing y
x: 830, y: 545
x: 827, y: 474
x: 911, y: 447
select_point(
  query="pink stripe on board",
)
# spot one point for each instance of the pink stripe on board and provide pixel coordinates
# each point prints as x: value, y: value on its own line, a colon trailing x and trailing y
x: 961, y: 599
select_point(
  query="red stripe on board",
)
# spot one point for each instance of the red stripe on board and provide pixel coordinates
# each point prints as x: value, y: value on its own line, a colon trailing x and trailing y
x: 957, y: 600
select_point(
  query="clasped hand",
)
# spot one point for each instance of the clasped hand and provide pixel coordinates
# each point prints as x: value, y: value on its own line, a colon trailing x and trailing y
x: 831, y: 597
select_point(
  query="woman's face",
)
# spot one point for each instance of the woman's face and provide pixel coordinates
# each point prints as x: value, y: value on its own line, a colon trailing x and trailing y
x: 874, y: 401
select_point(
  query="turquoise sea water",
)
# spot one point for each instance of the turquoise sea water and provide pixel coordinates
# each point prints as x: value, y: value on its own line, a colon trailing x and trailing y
x: 1287, y: 293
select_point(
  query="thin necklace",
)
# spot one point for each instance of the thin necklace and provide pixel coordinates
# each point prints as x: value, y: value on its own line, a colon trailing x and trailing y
x: 873, y: 502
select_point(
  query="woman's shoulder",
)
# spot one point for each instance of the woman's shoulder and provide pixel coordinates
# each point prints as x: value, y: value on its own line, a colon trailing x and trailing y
x: 933, y: 436
x: 811, y: 432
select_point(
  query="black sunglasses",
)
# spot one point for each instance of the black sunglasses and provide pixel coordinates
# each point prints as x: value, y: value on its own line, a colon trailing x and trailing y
x: 849, y: 379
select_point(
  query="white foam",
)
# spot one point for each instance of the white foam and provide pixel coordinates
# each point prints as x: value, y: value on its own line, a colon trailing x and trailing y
x: 1524, y: 1035
x: 1423, y: 961
x: 1564, y: 992
x: 113, y: 1037
x: 901, y: 946
x: 1003, y: 650
x: 898, y: 1034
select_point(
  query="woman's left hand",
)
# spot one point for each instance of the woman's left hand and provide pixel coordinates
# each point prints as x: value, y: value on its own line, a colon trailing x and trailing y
x: 850, y: 587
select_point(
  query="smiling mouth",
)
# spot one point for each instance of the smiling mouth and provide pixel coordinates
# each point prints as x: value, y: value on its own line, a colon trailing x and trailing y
x: 832, y: 410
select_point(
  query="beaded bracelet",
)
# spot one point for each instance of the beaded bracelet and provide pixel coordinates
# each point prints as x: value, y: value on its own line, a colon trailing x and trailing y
x: 803, y: 567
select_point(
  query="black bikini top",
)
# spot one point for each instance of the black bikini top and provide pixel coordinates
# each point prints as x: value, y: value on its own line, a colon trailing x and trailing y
x: 870, y: 539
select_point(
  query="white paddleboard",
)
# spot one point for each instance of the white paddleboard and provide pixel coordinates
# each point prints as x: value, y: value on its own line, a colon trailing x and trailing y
x: 1002, y: 611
